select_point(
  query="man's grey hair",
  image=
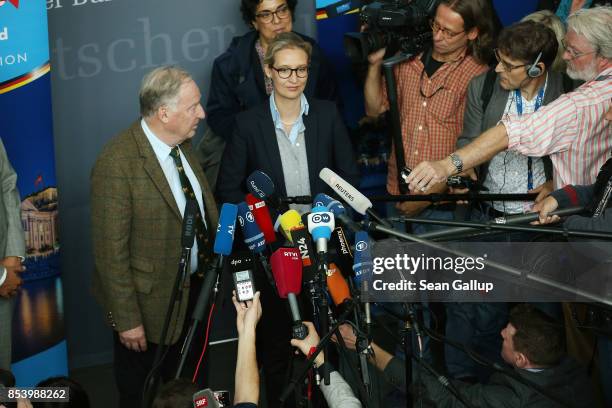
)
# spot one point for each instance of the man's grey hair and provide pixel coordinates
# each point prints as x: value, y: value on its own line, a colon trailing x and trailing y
x: 595, y: 24
x: 161, y: 87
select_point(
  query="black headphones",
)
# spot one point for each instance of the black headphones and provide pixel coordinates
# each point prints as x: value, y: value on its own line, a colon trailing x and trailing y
x: 533, y: 70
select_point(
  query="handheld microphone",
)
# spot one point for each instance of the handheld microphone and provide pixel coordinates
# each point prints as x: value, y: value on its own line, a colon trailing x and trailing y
x: 205, y: 399
x: 287, y: 270
x: 262, y: 217
x: 241, y: 266
x: 335, y: 207
x: 261, y: 185
x: 363, y: 267
x: 337, y: 286
x: 289, y: 221
x: 303, y: 243
x: 350, y: 195
x: 253, y: 237
x: 340, y: 252
x: 320, y: 225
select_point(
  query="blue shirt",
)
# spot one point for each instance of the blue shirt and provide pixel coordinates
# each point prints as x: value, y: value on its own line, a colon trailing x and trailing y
x: 298, y: 127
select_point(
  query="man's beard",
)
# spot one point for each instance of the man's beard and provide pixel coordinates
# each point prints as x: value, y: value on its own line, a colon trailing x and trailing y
x: 586, y: 74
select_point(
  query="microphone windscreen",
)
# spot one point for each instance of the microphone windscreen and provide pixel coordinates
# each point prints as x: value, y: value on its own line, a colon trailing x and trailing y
x: 253, y: 237
x: 363, y: 258
x: 290, y: 220
x: 340, y: 251
x: 189, y: 220
x: 350, y: 194
x: 336, y: 285
x: 303, y: 243
x: 333, y: 206
x: 287, y: 270
x: 320, y: 223
x: 260, y: 184
x: 225, y: 229
x: 205, y: 399
x: 262, y: 217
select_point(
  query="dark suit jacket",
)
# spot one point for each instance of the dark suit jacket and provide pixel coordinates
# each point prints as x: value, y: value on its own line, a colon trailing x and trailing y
x: 253, y: 146
x: 136, y: 228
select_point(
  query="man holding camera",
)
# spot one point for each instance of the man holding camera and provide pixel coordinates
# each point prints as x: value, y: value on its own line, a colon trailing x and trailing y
x: 432, y: 89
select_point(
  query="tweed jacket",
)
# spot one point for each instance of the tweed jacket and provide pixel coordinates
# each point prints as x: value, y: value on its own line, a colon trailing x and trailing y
x: 136, y: 228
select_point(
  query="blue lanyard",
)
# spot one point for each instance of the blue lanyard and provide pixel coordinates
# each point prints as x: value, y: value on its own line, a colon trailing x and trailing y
x: 519, y: 110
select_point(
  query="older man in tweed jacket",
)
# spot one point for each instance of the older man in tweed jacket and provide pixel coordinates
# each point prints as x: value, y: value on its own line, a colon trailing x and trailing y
x: 140, y: 184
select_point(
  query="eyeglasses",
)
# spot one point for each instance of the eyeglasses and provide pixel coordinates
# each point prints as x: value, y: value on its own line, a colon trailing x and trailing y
x: 507, y: 66
x: 268, y: 16
x: 573, y: 53
x: 445, y: 33
x: 284, y: 72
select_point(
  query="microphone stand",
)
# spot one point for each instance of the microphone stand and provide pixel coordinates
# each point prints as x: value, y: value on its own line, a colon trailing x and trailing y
x: 492, y: 227
x: 508, y: 223
x: 211, y: 278
x: 363, y: 358
x: 470, y: 196
x: 177, y: 290
x: 323, y: 305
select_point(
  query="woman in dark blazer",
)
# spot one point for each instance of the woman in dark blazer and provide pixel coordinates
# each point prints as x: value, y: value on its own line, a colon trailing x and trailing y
x: 288, y: 137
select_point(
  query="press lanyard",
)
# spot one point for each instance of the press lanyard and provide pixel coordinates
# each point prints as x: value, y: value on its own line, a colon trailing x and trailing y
x: 519, y: 110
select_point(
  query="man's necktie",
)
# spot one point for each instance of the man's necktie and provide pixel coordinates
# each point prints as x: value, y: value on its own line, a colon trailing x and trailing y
x: 201, y: 233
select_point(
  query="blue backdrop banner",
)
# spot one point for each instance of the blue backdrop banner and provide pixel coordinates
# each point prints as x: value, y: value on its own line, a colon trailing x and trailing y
x: 39, y: 345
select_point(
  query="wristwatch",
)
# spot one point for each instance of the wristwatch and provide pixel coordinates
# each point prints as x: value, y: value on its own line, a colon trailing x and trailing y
x: 457, y: 162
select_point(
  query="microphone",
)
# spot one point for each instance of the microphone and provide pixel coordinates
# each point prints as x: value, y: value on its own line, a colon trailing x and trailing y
x: 205, y: 399
x: 320, y: 225
x: 287, y: 270
x: 289, y: 221
x: 363, y: 267
x: 241, y: 266
x: 340, y: 252
x: 363, y: 274
x: 189, y: 217
x: 262, y: 217
x: 350, y: 195
x: 303, y: 243
x: 337, y: 286
x: 261, y: 185
x: 253, y: 237
x: 335, y: 207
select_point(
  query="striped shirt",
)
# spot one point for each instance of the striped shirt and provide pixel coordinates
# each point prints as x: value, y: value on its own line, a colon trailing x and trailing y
x: 431, y: 110
x: 572, y: 130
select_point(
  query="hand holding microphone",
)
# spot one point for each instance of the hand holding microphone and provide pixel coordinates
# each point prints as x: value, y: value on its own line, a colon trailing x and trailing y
x: 308, y: 343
